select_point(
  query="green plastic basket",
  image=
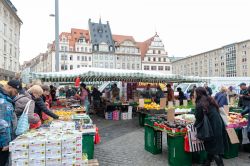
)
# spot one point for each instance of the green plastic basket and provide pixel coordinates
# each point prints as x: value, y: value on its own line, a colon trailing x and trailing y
x: 88, y: 145
x: 153, y: 140
x: 176, y: 154
x: 233, y: 150
x: 199, y: 157
x: 141, y: 119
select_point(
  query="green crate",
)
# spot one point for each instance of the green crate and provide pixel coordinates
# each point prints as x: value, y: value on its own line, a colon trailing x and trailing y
x: 233, y: 150
x: 246, y: 148
x: 142, y: 119
x: 153, y: 140
x: 88, y: 145
x: 199, y: 157
x: 235, y: 109
x: 176, y: 153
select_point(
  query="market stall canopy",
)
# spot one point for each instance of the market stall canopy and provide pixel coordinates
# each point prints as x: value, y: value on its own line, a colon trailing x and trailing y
x: 101, y: 74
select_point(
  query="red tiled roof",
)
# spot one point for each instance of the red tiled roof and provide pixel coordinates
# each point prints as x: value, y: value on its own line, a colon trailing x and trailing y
x: 121, y: 38
x: 144, y: 46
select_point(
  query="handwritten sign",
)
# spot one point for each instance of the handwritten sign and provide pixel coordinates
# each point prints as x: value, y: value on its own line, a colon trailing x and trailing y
x: 170, y: 104
x: 232, y: 100
x: 232, y: 136
x: 163, y: 102
x: 141, y: 103
x: 171, y: 114
x: 185, y: 102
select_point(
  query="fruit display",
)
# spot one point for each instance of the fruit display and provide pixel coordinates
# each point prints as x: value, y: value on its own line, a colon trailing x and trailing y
x: 66, y: 115
x: 152, y: 106
x: 147, y: 101
x: 235, y: 120
x: 178, y: 127
x: 190, y: 118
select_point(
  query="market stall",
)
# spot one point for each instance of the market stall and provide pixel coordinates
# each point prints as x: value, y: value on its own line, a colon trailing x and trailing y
x: 67, y: 142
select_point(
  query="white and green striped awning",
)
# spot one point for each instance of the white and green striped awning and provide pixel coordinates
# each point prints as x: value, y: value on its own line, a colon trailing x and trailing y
x: 101, y: 74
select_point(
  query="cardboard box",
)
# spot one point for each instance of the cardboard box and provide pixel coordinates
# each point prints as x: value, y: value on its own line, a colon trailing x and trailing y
x: 36, y: 162
x: 53, y: 144
x: 38, y: 155
x: 20, y: 162
x: 69, y: 150
x: 53, y: 153
x: 19, y: 154
x: 19, y: 144
x: 53, y: 161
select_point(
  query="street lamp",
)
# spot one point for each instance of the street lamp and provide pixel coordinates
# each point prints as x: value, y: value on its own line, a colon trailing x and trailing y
x: 56, y: 15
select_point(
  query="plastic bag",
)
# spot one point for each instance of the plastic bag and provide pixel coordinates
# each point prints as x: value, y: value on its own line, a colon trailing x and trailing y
x: 23, y: 122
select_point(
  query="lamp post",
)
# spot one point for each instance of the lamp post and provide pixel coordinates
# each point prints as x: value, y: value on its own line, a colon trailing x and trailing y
x: 56, y: 15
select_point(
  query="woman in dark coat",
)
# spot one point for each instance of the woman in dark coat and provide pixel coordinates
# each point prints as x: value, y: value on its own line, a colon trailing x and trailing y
x: 215, y: 146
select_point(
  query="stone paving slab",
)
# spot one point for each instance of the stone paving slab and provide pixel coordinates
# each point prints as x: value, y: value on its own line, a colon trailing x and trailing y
x: 123, y: 145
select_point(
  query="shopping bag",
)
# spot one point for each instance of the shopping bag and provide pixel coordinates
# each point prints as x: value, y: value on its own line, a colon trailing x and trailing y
x: 97, y: 137
x: 23, y: 122
x: 36, y: 125
x: 186, y: 144
x: 204, y: 129
x: 195, y: 145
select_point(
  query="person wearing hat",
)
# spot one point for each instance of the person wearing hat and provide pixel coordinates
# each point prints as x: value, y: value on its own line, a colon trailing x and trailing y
x: 7, y: 117
x: 243, y: 99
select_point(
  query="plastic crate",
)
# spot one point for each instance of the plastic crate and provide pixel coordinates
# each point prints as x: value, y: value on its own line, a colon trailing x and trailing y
x: 141, y: 119
x: 88, y: 145
x: 233, y: 150
x: 153, y: 140
x: 116, y: 115
x: 199, y: 157
x: 108, y: 115
x: 235, y: 109
x: 176, y: 154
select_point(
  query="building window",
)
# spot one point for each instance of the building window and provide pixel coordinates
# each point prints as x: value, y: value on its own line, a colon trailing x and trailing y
x: 64, y: 57
x: 146, y: 67
x: 128, y: 66
x: 101, y: 65
x: 86, y: 49
x: 106, y: 57
x: 167, y: 68
x: 160, y: 67
x: 123, y: 65
x: 138, y: 66
x: 78, y: 58
x: 77, y: 49
x: 5, y: 46
x: 78, y: 66
x: 4, y: 29
x: 86, y: 58
x: 159, y: 51
x: 111, y: 65
x: 89, y: 58
x: 153, y: 51
x: 71, y: 57
x: 64, y: 67
x: 118, y: 66
x: 164, y: 59
x: 159, y: 59
x: 71, y: 67
x: 133, y: 66
x: 81, y: 49
x: 106, y: 65
x: 82, y: 58
x: 10, y: 49
x: 153, y: 67
x: 154, y: 59
x: 148, y: 58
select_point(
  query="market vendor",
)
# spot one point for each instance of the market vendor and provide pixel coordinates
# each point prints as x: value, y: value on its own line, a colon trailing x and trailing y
x: 159, y: 94
x: 147, y: 93
x: 7, y: 117
x: 83, y: 96
x: 170, y: 93
x: 40, y: 107
x: 181, y: 95
x: 115, y: 92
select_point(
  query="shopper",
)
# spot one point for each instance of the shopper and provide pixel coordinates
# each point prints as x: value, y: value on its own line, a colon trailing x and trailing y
x: 70, y: 92
x: 244, y: 101
x: 170, y: 93
x: 20, y: 103
x: 221, y: 97
x: 53, y: 92
x: 181, y: 95
x: 115, y: 92
x: 231, y: 93
x: 208, y: 89
x: 40, y: 107
x: 46, y: 95
x: 247, y: 111
x: 192, y: 92
x: 84, y: 96
x: 159, y: 94
x: 96, y: 97
x: 207, y: 106
x: 8, y: 120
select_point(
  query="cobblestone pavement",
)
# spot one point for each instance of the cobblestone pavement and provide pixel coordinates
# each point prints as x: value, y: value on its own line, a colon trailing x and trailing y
x: 123, y: 145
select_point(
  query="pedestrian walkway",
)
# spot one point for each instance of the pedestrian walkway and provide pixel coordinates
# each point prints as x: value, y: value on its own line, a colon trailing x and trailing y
x: 123, y: 145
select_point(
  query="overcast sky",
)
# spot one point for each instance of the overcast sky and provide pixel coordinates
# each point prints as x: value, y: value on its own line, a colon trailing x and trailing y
x: 187, y: 27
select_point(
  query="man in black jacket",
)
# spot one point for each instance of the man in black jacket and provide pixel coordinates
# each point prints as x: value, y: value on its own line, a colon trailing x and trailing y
x: 243, y: 98
x: 208, y: 89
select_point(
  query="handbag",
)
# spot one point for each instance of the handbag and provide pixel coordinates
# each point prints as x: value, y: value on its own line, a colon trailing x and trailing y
x: 204, y: 129
x: 23, y: 122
